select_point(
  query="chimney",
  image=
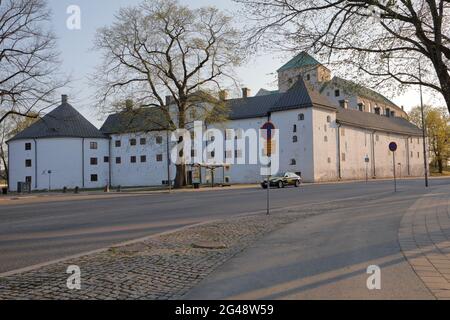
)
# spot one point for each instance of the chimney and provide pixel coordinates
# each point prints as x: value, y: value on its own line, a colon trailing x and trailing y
x: 223, y: 95
x: 344, y: 103
x: 245, y: 92
x: 128, y: 104
x: 64, y: 98
x: 169, y: 100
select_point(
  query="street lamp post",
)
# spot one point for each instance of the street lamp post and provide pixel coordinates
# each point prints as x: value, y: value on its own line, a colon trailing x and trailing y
x: 423, y: 118
x: 423, y: 127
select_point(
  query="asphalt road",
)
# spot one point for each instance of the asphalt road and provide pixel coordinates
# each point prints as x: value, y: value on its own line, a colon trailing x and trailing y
x: 37, y: 232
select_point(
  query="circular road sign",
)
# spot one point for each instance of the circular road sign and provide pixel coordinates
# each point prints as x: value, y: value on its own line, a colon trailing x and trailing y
x: 392, y: 146
x: 267, y: 130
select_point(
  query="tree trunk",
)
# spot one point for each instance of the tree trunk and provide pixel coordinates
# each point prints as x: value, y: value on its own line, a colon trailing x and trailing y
x: 180, y: 177
x: 440, y: 165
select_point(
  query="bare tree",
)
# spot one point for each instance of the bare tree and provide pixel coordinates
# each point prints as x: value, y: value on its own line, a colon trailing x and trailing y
x: 161, y: 48
x: 28, y: 58
x: 9, y: 127
x: 385, y: 40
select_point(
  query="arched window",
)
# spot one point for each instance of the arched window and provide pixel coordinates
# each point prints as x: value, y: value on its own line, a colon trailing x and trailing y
x: 293, y: 162
x: 301, y: 116
x: 328, y: 119
x: 294, y: 139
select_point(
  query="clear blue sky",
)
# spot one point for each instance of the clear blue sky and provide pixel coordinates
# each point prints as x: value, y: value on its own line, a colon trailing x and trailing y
x: 80, y: 60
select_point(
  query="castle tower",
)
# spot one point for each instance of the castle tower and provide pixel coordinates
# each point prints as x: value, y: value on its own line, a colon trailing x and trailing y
x: 305, y: 66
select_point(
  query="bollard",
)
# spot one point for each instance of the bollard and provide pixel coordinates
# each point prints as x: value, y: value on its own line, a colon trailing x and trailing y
x: 65, y: 190
x: 77, y: 189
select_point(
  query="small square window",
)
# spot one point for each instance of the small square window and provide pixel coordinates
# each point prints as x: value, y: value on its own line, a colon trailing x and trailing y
x: 94, y: 177
x: 105, y: 159
x: 118, y: 160
x: 293, y: 162
x: 301, y: 117
x: 28, y: 146
x: 294, y: 139
x: 159, y: 157
x: 28, y: 179
x: 118, y: 143
x: 142, y: 141
x: 28, y: 163
x: 143, y: 158
x: 158, y: 139
x: 93, y: 161
x: 133, y: 159
x: 93, y: 145
x: 132, y: 142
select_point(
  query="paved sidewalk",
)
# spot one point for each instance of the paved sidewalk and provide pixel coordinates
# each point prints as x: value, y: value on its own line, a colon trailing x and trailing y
x: 424, y: 237
x: 324, y: 256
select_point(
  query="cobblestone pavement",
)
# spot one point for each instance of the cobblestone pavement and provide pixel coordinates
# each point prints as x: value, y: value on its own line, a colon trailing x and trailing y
x: 161, y: 267
x: 424, y: 237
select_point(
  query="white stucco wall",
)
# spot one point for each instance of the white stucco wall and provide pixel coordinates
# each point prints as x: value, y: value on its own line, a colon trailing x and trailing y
x: 63, y: 156
x: 324, y: 139
x: 149, y: 173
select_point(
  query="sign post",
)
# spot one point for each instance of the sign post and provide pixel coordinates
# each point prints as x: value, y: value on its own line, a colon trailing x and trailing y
x: 267, y: 130
x: 366, y: 160
x: 393, y: 148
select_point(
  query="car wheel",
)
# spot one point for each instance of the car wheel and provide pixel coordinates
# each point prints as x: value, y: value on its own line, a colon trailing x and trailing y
x: 297, y: 183
x: 280, y: 184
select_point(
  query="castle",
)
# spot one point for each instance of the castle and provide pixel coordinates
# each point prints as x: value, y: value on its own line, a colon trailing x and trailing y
x: 329, y: 129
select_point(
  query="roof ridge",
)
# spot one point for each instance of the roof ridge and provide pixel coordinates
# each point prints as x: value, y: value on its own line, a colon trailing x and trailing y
x: 62, y: 121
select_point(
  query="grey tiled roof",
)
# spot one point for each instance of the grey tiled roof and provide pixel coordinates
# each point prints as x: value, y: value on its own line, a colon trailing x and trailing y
x: 136, y: 120
x: 301, y: 95
x: 63, y: 121
x: 374, y: 121
x: 252, y: 107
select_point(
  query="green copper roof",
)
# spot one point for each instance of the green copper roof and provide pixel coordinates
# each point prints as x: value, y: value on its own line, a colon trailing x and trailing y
x: 301, y: 60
